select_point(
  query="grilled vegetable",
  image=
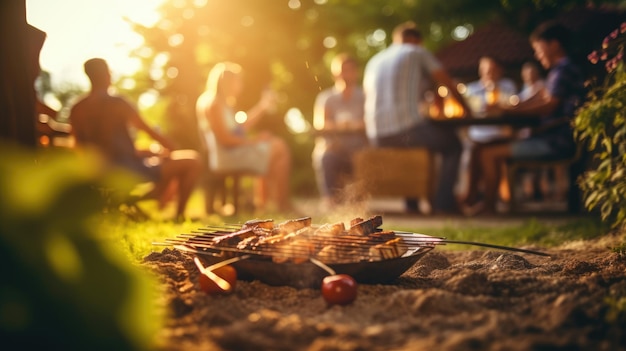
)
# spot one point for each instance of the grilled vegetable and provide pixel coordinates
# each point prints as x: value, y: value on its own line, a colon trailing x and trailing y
x: 339, y: 289
x: 209, y: 286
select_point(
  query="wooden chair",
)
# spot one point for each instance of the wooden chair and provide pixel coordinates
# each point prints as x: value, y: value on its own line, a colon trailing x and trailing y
x: 225, y: 185
x: 571, y: 163
x: 395, y: 172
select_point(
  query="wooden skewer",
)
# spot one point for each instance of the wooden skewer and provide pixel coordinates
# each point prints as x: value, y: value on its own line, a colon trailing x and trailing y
x: 222, y: 283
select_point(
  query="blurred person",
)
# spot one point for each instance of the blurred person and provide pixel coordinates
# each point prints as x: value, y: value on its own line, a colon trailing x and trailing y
x: 557, y: 103
x: 534, y: 184
x: 533, y: 81
x: 338, y: 115
x: 102, y: 121
x: 395, y: 82
x: 491, y: 88
x: 231, y: 145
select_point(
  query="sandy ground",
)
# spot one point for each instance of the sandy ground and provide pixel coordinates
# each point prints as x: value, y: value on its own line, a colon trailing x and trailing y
x: 448, y: 300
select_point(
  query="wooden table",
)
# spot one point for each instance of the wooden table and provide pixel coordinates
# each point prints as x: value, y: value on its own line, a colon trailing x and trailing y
x: 515, y: 121
x: 338, y: 132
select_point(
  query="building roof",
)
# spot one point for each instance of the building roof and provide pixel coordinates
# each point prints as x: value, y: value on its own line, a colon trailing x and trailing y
x: 512, y: 47
x: 497, y: 40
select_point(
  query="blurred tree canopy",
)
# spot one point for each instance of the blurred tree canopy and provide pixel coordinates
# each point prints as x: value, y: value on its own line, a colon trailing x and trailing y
x: 288, y: 44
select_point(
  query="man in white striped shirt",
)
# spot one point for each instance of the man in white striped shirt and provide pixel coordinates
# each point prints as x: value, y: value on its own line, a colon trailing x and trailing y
x: 394, y: 82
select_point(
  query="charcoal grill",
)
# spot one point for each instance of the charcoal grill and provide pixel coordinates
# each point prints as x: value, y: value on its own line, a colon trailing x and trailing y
x: 293, y: 263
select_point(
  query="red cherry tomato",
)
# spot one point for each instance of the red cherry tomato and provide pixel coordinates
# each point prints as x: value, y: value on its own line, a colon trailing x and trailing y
x: 209, y: 286
x: 339, y: 289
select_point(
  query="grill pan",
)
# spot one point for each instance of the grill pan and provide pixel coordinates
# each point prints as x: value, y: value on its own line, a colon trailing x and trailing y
x: 273, y: 265
x: 307, y: 274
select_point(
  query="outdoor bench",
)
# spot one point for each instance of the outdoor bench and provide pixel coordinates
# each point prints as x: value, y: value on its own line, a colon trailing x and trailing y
x: 395, y: 172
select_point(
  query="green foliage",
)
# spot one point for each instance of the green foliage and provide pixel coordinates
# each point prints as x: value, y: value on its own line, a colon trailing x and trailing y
x: 620, y: 250
x: 616, y: 302
x: 601, y: 123
x: 136, y: 238
x: 62, y: 286
x: 284, y: 47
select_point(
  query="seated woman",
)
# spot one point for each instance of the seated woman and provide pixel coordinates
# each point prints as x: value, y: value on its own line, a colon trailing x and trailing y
x: 232, y: 148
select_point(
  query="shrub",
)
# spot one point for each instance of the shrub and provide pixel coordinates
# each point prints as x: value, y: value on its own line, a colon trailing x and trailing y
x: 63, y: 288
x: 601, y: 124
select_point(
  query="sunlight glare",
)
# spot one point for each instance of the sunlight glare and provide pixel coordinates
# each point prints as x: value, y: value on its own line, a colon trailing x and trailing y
x: 312, y: 15
x: 81, y: 29
x: 176, y: 40
x: 330, y: 42
x: 461, y: 33
x: 148, y: 99
x: 295, y: 121
x: 241, y: 117
x: 377, y: 38
x: 294, y: 4
x: 442, y: 91
x: 128, y: 83
x: 199, y: 3
x: 171, y: 72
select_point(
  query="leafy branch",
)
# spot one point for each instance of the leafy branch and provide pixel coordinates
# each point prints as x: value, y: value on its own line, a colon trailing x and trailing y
x: 601, y: 123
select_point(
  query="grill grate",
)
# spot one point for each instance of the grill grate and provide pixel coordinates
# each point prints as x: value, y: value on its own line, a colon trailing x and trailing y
x: 305, y: 244
x: 298, y: 241
x: 286, y: 254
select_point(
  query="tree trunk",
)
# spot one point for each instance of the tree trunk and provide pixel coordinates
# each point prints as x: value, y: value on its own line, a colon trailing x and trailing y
x: 20, y: 45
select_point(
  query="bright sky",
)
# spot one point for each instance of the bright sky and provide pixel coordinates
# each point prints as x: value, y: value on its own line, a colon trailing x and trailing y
x: 81, y: 29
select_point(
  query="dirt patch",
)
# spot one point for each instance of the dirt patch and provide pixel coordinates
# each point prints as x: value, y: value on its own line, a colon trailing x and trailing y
x: 448, y: 300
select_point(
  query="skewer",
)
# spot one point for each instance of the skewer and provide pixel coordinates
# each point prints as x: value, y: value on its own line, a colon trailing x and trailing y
x: 500, y: 247
x: 222, y: 283
x: 344, y: 246
x: 474, y: 243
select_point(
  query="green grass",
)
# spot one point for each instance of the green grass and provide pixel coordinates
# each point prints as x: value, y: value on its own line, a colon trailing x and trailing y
x: 137, y: 238
x: 529, y: 232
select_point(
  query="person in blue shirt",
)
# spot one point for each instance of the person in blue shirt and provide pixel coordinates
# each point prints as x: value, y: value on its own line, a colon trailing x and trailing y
x: 557, y: 104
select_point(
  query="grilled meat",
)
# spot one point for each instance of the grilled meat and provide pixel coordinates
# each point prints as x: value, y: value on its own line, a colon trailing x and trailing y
x: 294, y: 224
x: 391, y: 249
x: 232, y: 239
x: 259, y: 223
x: 297, y: 241
x: 365, y: 227
x: 331, y: 229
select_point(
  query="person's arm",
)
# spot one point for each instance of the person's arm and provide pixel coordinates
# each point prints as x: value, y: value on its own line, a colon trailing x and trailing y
x: 44, y: 109
x: 257, y: 111
x: 77, y: 122
x: 213, y: 112
x: 321, y: 113
x: 539, y: 104
x: 136, y: 121
x: 74, y: 122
